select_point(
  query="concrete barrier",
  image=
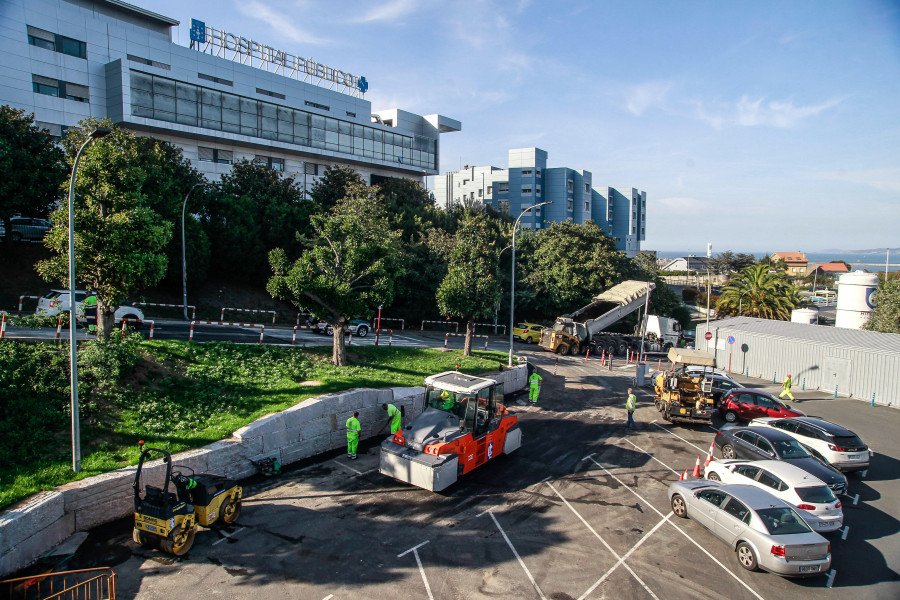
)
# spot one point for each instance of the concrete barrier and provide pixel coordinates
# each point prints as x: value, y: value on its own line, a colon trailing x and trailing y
x: 29, y: 530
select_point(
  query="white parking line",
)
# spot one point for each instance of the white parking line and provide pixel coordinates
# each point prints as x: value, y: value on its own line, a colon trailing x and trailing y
x: 680, y: 530
x: 653, y: 457
x: 855, y: 499
x: 831, y: 575
x: 348, y: 467
x: 227, y: 536
x: 328, y: 597
x: 415, y: 551
x: 679, y: 437
x: 863, y: 474
x: 608, y: 547
x: 519, y: 558
x: 844, y: 532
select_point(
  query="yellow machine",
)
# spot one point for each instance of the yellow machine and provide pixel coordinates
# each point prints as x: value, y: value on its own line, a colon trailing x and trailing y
x: 168, y: 521
x: 682, y: 396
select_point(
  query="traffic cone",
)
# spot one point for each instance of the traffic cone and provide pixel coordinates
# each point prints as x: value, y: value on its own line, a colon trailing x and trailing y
x: 709, y: 456
x: 696, y: 472
x: 683, y: 476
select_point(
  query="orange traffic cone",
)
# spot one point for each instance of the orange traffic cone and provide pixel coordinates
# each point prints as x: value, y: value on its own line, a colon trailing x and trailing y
x: 709, y: 456
x: 683, y: 476
x: 696, y: 472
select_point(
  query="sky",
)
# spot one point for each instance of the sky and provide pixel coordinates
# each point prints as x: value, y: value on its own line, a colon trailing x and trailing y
x: 755, y: 126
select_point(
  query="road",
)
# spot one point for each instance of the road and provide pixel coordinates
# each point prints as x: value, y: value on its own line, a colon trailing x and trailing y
x: 580, y: 511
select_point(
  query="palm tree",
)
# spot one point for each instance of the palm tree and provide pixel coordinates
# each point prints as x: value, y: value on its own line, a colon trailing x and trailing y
x: 757, y: 292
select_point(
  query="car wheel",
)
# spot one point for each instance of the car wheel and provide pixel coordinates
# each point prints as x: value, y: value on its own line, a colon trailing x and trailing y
x: 362, y: 331
x: 16, y: 236
x: 746, y: 556
x: 728, y: 451
x: 329, y: 330
x: 713, y: 476
x: 678, y: 506
x: 621, y: 348
x: 562, y: 349
x: 731, y: 416
x: 529, y: 340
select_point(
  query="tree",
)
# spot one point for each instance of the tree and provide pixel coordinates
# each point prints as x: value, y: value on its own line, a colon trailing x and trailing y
x: 32, y: 168
x: 470, y: 290
x: 333, y: 186
x: 349, y: 266
x: 756, y: 292
x: 119, y: 240
x: 253, y: 210
x: 886, y: 316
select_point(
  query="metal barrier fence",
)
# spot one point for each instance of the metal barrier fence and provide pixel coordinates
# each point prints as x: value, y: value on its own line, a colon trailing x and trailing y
x: 492, y: 325
x: 85, y: 584
x: 447, y: 337
x: 390, y: 335
x: 21, y: 298
x: 125, y: 322
x: 401, y: 321
x: 3, y: 326
x: 262, y: 328
x: 249, y: 310
x: 191, y: 306
x: 422, y: 329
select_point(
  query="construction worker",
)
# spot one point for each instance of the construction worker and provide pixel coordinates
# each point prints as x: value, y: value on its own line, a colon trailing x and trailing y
x: 394, y: 417
x: 353, y: 429
x: 631, y: 406
x: 786, y: 388
x: 535, y: 382
x: 446, y: 400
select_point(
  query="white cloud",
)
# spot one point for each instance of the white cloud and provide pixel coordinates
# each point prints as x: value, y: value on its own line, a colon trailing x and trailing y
x: 641, y: 97
x: 887, y: 180
x: 392, y: 10
x: 780, y: 114
x: 280, y: 23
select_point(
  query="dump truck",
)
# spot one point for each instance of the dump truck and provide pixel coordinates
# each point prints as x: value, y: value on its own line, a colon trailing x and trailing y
x: 463, y: 425
x: 682, y: 395
x: 576, y: 332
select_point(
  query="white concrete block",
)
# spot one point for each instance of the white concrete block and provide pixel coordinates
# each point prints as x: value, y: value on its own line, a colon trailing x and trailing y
x: 20, y: 523
x: 316, y: 427
x: 261, y: 426
x: 37, y: 545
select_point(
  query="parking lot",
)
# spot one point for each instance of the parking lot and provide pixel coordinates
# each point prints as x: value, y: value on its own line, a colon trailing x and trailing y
x: 580, y: 511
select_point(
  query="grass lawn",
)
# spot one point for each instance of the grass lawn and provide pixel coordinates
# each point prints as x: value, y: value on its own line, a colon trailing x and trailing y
x: 177, y: 395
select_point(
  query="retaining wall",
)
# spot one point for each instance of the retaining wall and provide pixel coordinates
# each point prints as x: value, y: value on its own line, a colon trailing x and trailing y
x: 31, y: 529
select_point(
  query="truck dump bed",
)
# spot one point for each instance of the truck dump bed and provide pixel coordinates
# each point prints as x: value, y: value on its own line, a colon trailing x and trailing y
x: 611, y: 306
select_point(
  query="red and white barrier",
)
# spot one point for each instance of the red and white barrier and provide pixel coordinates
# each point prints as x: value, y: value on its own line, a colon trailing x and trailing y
x: 191, y: 306
x: 58, y: 328
x: 152, y: 325
x: 262, y: 328
x: 249, y: 310
x: 401, y: 321
x: 390, y: 336
x: 447, y: 337
x: 300, y: 314
x: 22, y: 298
x: 492, y: 325
x: 422, y: 329
x: 3, y: 327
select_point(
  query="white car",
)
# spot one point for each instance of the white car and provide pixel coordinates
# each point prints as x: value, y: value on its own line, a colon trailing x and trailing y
x: 698, y: 371
x: 57, y: 301
x: 831, y: 443
x: 816, y: 502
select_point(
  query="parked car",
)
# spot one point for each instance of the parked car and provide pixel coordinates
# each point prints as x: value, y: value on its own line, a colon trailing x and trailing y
x: 764, y: 531
x: 26, y: 228
x: 814, y: 500
x: 530, y: 333
x: 57, y: 301
x: 721, y: 386
x: 698, y: 371
x: 764, y: 443
x: 744, y: 404
x: 359, y: 327
x: 836, y: 445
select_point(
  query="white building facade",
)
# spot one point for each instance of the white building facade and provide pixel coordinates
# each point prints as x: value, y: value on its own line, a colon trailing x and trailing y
x: 222, y: 99
x: 528, y: 181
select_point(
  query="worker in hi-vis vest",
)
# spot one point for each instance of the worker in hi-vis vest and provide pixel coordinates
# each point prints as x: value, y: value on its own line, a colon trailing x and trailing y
x: 786, y: 388
x: 534, y: 386
x: 353, y: 429
x: 394, y: 417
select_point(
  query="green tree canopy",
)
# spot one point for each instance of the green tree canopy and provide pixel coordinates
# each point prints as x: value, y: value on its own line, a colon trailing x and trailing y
x: 32, y: 167
x: 756, y: 292
x: 470, y: 289
x: 886, y: 316
x: 119, y: 240
x: 333, y: 186
x: 349, y: 267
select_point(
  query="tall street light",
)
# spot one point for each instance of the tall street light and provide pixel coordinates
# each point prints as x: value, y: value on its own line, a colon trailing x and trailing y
x: 512, y: 282
x: 183, y: 259
x: 97, y: 133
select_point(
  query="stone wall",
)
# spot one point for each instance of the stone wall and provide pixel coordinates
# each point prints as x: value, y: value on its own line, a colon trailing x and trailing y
x: 31, y: 529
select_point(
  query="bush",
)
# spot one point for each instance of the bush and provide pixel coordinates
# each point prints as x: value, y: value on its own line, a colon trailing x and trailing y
x: 689, y: 295
x: 102, y: 362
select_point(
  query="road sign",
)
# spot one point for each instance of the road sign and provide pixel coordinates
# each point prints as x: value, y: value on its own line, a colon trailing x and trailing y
x: 708, y: 335
x: 730, y: 339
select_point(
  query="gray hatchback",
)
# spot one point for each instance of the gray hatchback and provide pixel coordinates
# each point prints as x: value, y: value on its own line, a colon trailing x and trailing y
x: 765, y: 532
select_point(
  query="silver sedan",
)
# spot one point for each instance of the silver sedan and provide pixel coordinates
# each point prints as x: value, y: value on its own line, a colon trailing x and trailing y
x: 765, y: 532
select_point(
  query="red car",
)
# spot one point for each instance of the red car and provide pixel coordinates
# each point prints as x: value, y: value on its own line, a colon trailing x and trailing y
x: 745, y: 405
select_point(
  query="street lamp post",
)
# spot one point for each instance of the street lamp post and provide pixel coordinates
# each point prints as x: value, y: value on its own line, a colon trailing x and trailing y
x: 97, y: 133
x: 512, y: 282
x: 183, y: 254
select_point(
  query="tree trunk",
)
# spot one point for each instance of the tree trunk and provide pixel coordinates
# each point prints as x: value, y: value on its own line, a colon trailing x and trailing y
x: 470, y: 331
x: 106, y: 321
x: 338, y: 352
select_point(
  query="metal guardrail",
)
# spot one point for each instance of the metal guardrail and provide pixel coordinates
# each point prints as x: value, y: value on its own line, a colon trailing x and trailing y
x: 191, y: 306
x: 422, y: 328
x: 22, y: 298
x: 401, y: 321
x: 251, y: 311
x: 447, y: 337
x: 85, y: 584
x: 262, y: 328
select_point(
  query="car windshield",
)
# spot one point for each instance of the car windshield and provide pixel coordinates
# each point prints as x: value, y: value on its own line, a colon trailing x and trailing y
x: 848, y: 441
x: 782, y: 521
x: 790, y: 449
x: 819, y: 494
x: 778, y: 404
x: 441, y: 400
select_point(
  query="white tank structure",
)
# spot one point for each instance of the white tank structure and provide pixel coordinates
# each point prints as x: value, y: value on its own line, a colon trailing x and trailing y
x: 854, y: 299
x: 810, y: 316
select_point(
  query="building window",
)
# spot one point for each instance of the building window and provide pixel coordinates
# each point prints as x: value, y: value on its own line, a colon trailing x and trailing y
x: 465, y: 181
x: 526, y: 172
x: 350, y: 114
x: 45, y: 85
x: 223, y: 157
x: 57, y: 43
x: 60, y: 89
x: 311, y: 168
x: 317, y: 105
x: 215, y: 79
x: 537, y: 173
x: 73, y: 91
x: 570, y: 205
x: 479, y: 193
x: 570, y: 186
x: 503, y: 187
x: 151, y: 63
x: 270, y: 161
x: 587, y: 206
x: 587, y: 188
x: 268, y: 93
x: 504, y: 206
x: 526, y: 190
x: 490, y: 190
x: 537, y: 191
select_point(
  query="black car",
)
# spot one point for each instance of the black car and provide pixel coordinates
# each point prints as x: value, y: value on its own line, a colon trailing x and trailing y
x: 764, y: 443
x: 721, y: 386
